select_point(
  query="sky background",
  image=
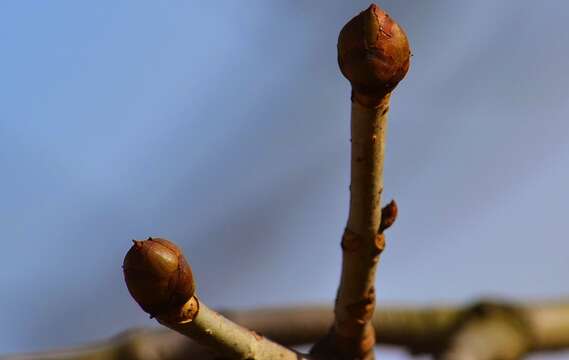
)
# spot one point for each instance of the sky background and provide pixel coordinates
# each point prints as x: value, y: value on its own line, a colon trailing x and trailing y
x: 224, y: 126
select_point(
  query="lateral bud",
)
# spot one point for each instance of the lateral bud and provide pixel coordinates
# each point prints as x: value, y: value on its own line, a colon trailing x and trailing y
x: 388, y: 216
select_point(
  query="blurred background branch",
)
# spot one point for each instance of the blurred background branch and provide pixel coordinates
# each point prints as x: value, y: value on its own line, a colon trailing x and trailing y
x: 435, y: 330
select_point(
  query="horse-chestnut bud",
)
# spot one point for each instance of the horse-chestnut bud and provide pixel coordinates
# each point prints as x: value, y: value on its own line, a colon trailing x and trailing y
x: 373, y: 54
x: 388, y: 216
x: 158, y: 276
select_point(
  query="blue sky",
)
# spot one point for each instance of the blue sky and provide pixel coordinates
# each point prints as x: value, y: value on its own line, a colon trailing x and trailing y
x: 224, y: 127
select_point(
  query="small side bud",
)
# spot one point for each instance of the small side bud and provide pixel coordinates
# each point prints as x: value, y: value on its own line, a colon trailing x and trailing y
x: 373, y: 54
x: 388, y: 216
x: 157, y: 275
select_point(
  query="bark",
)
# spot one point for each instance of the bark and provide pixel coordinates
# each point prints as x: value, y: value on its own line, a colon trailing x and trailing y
x: 352, y: 335
x: 211, y: 329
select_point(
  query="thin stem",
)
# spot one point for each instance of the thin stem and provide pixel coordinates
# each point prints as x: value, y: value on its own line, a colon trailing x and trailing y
x: 211, y: 329
x: 373, y: 54
x: 361, y: 243
x: 160, y: 279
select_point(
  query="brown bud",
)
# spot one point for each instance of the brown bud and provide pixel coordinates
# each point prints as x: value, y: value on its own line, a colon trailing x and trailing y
x: 157, y: 275
x: 388, y: 216
x: 373, y: 54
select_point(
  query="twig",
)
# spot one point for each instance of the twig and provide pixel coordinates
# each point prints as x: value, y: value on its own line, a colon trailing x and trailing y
x: 161, y: 281
x: 373, y: 53
x: 211, y: 329
x: 425, y: 330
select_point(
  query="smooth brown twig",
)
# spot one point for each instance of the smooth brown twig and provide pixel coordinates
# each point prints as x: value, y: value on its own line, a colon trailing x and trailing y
x: 373, y: 54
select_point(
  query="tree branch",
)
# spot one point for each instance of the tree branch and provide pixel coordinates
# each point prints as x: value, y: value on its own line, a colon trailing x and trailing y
x: 494, y: 330
x: 426, y: 330
x: 352, y: 334
x: 549, y: 325
x: 373, y: 54
x: 161, y: 281
x: 213, y: 330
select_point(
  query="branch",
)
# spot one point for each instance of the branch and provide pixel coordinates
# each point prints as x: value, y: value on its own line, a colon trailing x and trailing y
x: 212, y: 329
x: 161, y: 281
x: 421, y: 330
x: 494, y: 330
x: 549, y: 324
x: 373, y: 54
x: 134, y: 344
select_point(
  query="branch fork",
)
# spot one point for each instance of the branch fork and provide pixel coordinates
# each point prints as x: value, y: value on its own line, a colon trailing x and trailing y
x: 373, y: 54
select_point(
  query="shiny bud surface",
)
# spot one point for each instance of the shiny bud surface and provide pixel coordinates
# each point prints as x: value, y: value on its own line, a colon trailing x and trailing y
x: 373, y: 54
x: 157, y: 275
x: 388, y: 216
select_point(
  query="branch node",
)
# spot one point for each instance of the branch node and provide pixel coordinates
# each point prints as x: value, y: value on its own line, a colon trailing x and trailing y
x: 351, y: 241
x: 181, y: 315
x: 362, y: 311
x: 379, y: 243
